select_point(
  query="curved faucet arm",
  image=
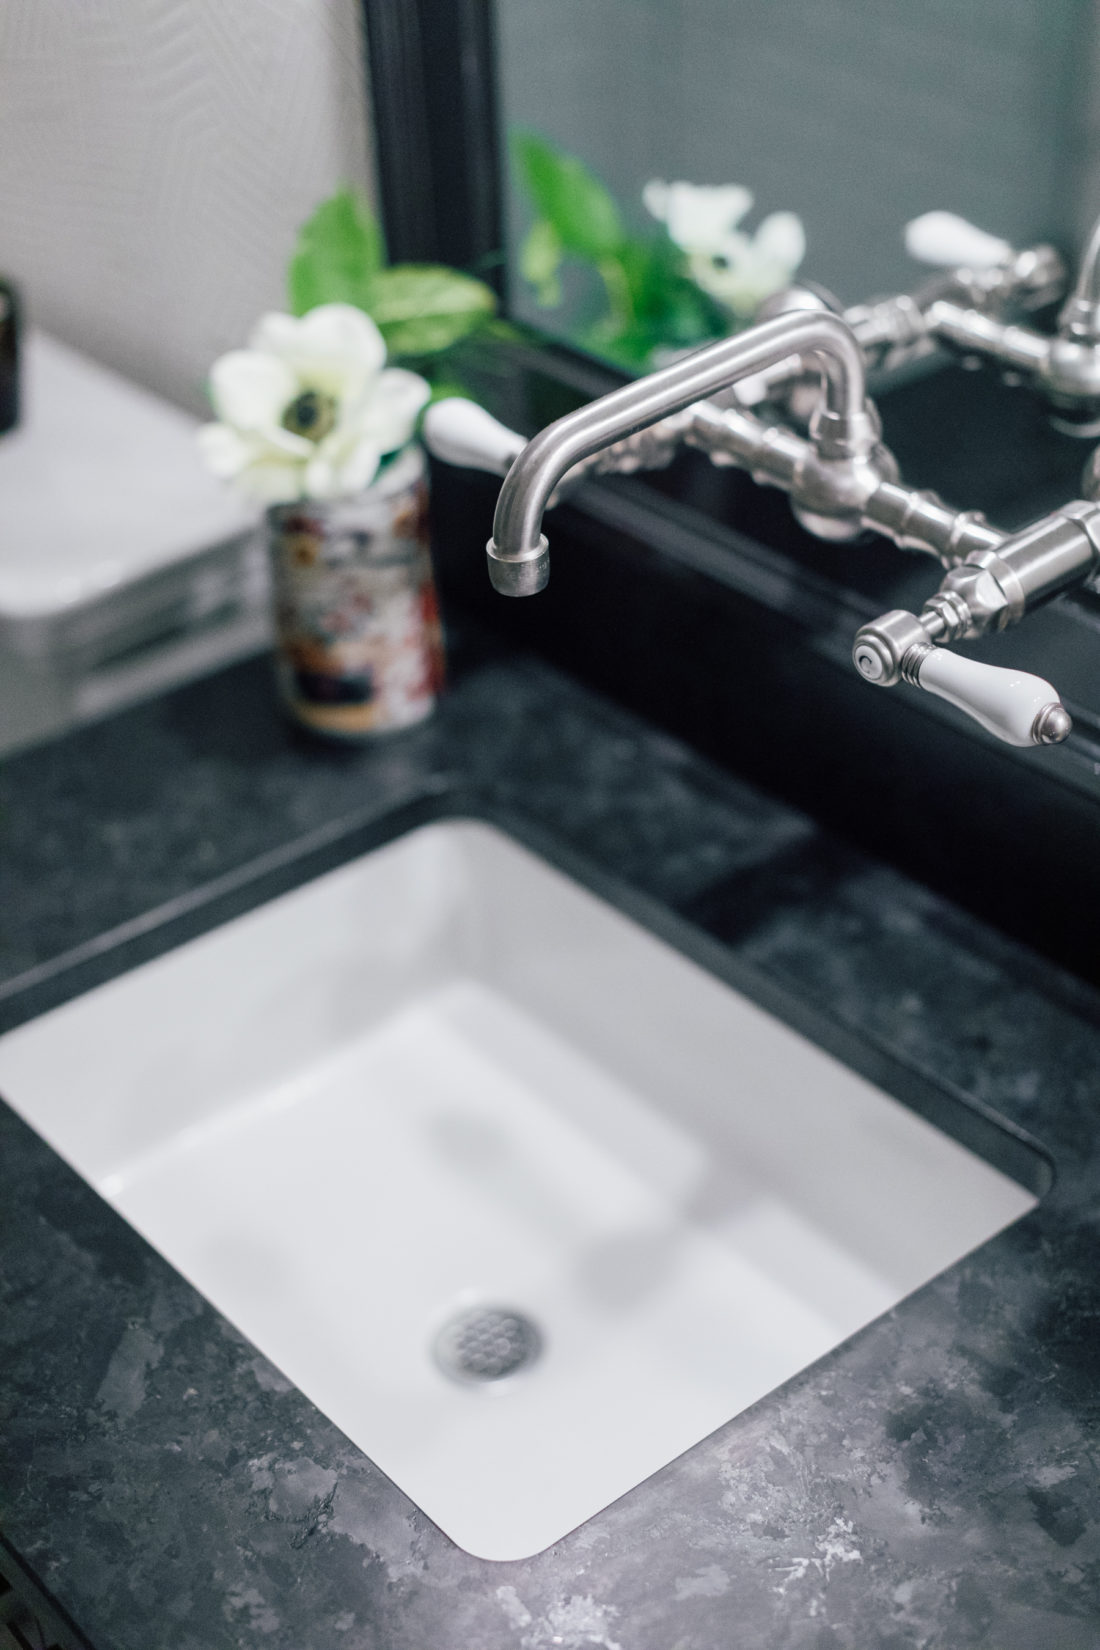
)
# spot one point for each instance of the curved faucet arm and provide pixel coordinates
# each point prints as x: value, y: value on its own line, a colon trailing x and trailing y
x: 517, y: 549
x: 460, y: 432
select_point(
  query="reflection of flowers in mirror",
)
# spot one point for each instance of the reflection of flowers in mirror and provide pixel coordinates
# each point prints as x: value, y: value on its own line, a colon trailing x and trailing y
x: 738, y: 269
x: 309, y: 409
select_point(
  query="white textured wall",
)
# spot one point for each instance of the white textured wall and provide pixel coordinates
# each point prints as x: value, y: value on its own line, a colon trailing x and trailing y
x: 156, y: 158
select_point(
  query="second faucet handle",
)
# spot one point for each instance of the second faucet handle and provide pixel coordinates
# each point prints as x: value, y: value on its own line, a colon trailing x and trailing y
x: 948, y: 241
x: 1013, y: 705
x: 985, y: 271
x: 1017, y: 707
x: 460, y: 432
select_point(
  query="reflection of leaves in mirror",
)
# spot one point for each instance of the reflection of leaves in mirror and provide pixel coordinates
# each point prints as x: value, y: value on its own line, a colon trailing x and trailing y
x: 540, y: 262
x: 651, y: 295
x: 420, y: 309
x: 667, y: 310
x: 649, y: 299
x: 570, y: 198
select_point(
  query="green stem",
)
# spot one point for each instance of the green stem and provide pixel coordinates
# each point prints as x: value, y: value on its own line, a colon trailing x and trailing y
x: 617, y: 287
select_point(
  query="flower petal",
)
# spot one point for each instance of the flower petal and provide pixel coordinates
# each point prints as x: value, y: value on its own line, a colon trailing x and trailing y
x: 334, y: 348
x: 266, y: 466
x: 319, y: 480
x: 285, y: 443
x: 655, y: 199
x: 781, y: 241
x: 250, y: 390
x: 698, y: 216
x: 343, y: 463
x: 271, y: 480
x: 390, y: 412
x: 359, y: 466
x: 743, y: 277
x: 223, y: 450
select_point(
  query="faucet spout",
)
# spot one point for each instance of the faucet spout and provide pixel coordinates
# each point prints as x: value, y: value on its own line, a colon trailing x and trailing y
x: 518, y: 552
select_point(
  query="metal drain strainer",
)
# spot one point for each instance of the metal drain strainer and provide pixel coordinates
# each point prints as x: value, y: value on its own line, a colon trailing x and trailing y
x: 486, y: 1343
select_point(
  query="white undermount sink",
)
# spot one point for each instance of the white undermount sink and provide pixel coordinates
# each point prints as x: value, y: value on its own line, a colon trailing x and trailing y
x: 445, y: 1081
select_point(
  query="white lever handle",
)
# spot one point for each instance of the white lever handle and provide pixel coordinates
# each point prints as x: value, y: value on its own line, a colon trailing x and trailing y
x: 944, y: 239
x: 1019, y: 708
x: 460, y: 432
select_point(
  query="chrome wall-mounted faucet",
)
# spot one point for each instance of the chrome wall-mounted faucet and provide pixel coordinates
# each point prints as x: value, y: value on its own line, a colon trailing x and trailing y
x: 840, y: 479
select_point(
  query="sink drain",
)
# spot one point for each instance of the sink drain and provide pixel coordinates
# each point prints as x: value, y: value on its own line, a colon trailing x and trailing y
x: 486, y: 1343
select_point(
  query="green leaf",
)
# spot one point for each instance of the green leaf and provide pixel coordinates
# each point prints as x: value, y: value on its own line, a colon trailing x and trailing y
x: 424, y: 308
x: 666, y: 301
x: 570, y: 197
x: 446, y: 387
x: 338, y: 255
x: 653, y: 305
x: 507, y: 332
x: 616, y: 285
x: 628, y: 347
x: 540, y: 260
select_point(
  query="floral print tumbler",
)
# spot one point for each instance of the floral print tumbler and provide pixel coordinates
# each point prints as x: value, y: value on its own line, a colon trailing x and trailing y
x: 358, y: 641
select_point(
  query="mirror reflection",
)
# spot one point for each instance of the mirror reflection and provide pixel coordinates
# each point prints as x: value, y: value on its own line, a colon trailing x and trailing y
x: 672, y: 161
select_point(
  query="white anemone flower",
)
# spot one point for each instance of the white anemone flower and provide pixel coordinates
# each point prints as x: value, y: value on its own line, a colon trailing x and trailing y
x: 699, y: 217
x: 309, y: 409
x: 737, y: 269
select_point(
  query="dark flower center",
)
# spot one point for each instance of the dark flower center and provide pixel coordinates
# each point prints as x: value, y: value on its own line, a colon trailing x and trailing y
x: 311, y: 414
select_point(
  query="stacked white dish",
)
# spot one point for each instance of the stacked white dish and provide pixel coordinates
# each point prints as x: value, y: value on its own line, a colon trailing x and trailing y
x: 124, y: 566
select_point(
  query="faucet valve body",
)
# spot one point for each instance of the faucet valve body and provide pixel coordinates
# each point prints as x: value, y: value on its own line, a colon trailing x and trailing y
x: 889, y: 649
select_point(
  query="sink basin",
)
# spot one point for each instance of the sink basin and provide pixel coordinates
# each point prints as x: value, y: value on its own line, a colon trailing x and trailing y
x: 526, y: 1201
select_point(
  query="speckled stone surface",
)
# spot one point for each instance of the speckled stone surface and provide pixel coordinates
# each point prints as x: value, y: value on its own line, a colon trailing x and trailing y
x: 934, y: 1482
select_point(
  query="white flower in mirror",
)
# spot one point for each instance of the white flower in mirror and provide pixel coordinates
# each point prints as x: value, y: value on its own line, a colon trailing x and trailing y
x: 699, y: 217
x: 309, y: 409
x: 737, y: 269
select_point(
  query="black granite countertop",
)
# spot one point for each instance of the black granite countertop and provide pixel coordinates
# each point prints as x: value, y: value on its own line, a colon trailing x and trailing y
x: 934, y: 1482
